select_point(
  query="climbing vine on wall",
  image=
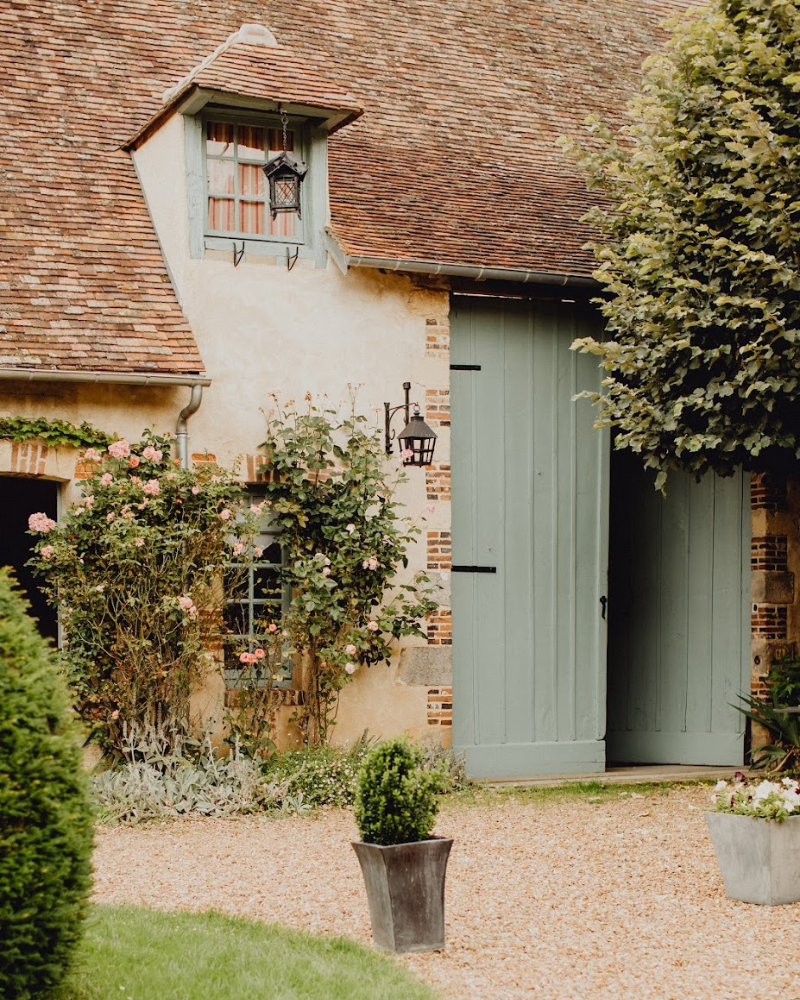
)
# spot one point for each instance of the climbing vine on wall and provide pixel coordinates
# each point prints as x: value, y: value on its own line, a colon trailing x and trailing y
x: 54, y: 432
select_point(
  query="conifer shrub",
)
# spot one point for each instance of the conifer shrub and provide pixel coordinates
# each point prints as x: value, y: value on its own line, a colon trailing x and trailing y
x: 45, y: 818
x: 396, y: 795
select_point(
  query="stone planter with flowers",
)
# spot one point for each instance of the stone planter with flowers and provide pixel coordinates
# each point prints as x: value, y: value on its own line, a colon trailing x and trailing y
x: 755, y: 830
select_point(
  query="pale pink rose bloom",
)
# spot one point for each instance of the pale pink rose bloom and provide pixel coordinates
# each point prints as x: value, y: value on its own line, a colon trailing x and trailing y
x: 138, y: 541
x: 88, y: 502
x: 110, y: 516
x: 46, y: 552
x: 171, y: 476
x: 273, y: 627
x: 350, y: 649
x: 406, y: 453
x: 238, y: 549
x: 373, y: 626
x: 152, y: 454
x: 247, y: 658
x: 216, y: 479
x: 326, y: 571
x: 225, y: 514
x: 100, y: 588
x: 195, y: 490
x: 259, y: 654
x: 349, y: 668
x: 327, y: 561
x: 41, y: 522
x: 115, y: 714
x: 92, y: 455
x: 256, y: 509
x: 186, y: 603
x: 106, y: 479
x: 350, y: 529
x: 152, y: 487
x: 257, y: 552
x: 134, y: 461
x: 371, y: 563
x: 119, y: 449
x: 430, y: 508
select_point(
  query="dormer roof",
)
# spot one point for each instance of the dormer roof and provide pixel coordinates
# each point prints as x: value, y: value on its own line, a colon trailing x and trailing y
x: 251, y: 70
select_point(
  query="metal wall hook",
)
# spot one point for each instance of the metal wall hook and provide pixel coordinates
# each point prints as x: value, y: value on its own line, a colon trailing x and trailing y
x: 238, y: 254
x: 291, y: 261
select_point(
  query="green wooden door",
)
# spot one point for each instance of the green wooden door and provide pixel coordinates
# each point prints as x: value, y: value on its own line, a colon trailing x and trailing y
x: 679, y: 623
x: 530, y: 514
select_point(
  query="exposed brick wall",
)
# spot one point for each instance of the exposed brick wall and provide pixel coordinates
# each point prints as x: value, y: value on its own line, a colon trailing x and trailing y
x: 439, y: 550
x: 438, y: 482
x: 437, y: 407
x: 440, y: 627
x: 769, y: 621
x: 437, y: 338
x: 28, y: 459
x: 768, y: 492
x: 769, y: 552
x: 440, y: 706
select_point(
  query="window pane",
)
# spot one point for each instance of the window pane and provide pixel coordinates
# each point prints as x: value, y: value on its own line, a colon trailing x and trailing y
x: 221, y: 177
x: 265, y: 582
x: 284, y: 225
x: 273, y: 554
x: 251, y: 142
x: 219, y: 138
x: 222, y: 214
x: 275, y: 137
x: 251, y: 179
x: 253, y: 217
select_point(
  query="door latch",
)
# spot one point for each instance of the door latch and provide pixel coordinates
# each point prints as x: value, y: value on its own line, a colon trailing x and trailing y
x: 603, y: 604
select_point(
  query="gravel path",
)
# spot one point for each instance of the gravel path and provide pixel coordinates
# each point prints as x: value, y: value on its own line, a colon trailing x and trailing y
x: 594, y: 901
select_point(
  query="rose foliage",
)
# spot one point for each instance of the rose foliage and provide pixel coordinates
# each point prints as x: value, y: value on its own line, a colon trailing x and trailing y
x: 700, y: 248
x: 135, y: 568
x: 333, y: 498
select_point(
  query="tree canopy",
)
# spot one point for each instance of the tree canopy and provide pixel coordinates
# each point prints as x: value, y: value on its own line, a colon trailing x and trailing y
x: 699, y: 252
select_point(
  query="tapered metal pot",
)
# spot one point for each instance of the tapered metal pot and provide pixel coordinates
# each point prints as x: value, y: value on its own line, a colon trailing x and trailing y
x: 405, y: 891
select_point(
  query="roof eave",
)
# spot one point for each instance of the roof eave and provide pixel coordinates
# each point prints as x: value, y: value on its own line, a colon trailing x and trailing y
x: 98, y: 377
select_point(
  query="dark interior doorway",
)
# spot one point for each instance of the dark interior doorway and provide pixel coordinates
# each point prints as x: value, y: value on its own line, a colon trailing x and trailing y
x: 19, y: 498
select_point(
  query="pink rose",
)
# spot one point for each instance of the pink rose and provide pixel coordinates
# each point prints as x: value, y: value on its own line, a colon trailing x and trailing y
x: 238, y: 549
x: 256, y: 509
x: 373, y: 626
x: 273, y: 627
x: 110, y: 516
x: 134, y: 461
x: 406, y: 453
x: 152, y: 454
x: 88, y: 502
x: 186, y: 603
x: 350, y: 649
x: 152, y: 487
x: 119, y: 449
x: 46, y: 551
x: 106, y: 479
x: 258, y: 552
x: 326, y: 571
x: 349, y: 668
x: 195, y: 490
x: 259, y: 654
x: 41, y: 522
x: 138, y: 541
x: 92, y: 455
x: 225, y: 514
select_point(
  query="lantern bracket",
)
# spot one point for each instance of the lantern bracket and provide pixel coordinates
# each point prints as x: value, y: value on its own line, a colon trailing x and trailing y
x: 417, y: 440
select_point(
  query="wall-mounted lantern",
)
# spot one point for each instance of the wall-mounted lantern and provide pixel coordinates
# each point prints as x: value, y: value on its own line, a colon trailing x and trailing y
x: 417, y: 440
x: 285, y: 175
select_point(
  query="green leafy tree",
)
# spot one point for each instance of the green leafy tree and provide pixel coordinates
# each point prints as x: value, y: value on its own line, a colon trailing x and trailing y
x: 700, y: 248
x: 332, y: 496
x: 135, y: 568
x: 45, y: 819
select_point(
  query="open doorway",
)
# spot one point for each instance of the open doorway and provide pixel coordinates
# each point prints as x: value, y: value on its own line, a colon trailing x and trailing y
x: 19, y: 498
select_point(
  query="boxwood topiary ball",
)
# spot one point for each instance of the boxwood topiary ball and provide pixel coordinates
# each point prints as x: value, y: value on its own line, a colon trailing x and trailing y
x: 45, y: 817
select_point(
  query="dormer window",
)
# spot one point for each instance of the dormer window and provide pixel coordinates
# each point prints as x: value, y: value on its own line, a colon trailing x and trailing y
x: 238, y: 202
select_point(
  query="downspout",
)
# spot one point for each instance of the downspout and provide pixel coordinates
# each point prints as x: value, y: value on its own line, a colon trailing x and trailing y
x: 182, y: 429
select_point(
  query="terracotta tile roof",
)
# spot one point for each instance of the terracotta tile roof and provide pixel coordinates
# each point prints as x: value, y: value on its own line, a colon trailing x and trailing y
x: 454, y: 159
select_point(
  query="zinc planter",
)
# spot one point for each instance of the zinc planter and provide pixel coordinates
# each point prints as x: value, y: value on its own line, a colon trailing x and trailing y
x: 759, y: 858
x: 405, y: 891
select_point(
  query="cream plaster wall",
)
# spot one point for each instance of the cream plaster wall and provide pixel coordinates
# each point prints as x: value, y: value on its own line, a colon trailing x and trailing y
x: 261, y: 327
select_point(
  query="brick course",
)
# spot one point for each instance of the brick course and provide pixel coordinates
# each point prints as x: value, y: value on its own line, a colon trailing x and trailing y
x: 439, y: 550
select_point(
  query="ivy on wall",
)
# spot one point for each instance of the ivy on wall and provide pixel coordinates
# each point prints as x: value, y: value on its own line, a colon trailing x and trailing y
x: 54, y: 432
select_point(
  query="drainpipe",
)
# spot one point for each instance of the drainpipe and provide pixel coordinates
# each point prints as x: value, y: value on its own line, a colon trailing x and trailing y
x: 182, y: 429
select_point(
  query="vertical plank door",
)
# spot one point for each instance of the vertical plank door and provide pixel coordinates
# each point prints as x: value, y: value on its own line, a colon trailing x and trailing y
x: 530, y: 516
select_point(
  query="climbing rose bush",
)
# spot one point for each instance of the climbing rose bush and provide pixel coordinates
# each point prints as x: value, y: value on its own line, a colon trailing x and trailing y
x: 135, y: 569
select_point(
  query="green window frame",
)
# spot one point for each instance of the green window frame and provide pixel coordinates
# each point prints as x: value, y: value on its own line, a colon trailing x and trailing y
x: 228, y: 199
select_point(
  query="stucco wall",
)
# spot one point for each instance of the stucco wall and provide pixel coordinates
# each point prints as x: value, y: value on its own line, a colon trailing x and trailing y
x: 261, y: 327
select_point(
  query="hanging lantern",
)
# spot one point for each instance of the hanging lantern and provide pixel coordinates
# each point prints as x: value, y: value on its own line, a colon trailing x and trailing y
x: 417, y: 442
x: 285, y: 175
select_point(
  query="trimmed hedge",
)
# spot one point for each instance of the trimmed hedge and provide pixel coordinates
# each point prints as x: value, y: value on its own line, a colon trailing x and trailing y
x: 396, y: 796
x: 45, y: 817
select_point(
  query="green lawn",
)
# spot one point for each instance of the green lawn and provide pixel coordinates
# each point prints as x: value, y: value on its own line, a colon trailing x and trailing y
x: 136, y: 954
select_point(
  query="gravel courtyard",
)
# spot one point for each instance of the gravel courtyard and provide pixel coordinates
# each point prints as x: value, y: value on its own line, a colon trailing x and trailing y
x: 616, y: 900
